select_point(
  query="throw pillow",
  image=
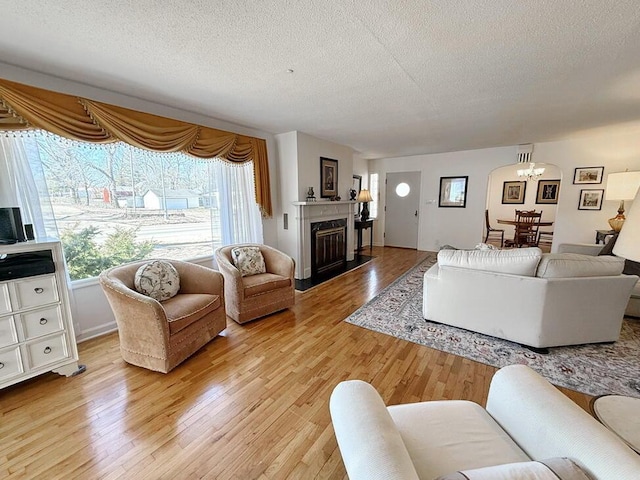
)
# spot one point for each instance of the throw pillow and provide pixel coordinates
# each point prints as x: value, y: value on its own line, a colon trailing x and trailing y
x: 157, y: 279
x: 485, y: 246
x: 551, y: 469
x: 248, y: 260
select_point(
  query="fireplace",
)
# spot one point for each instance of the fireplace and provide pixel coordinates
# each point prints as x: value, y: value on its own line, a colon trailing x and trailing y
x: 321, y: 212
x: 328, y: 246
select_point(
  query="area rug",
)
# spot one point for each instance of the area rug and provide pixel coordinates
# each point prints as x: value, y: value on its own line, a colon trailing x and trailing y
x: 592, y: 369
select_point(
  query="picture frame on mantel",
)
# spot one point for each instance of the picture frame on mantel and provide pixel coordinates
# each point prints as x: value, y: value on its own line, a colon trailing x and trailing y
x: 328, y: 177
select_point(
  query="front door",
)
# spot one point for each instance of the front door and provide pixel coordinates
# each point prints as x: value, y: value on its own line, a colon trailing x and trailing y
x: 401, y: 210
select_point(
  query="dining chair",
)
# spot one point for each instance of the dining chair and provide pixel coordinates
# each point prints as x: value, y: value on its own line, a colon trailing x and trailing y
x: 492, y: 233
x: 527, y: 225
x: 545, y: 237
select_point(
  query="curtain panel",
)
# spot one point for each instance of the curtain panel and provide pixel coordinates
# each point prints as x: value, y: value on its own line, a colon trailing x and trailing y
x: 24, y: 107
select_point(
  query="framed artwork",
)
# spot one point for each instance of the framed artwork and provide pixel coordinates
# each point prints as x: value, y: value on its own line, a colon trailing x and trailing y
x: 453, y: 192
x: 328, y: 177
x: 590, y: 199
x: 548, y: 191
x: 356, y: 186
x: 513, y: 192
x: 588, y: 175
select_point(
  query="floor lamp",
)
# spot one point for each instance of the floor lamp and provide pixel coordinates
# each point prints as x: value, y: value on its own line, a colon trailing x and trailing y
x: 628, y: 243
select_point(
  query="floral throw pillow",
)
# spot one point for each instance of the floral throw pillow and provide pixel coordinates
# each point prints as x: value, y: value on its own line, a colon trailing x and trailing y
x: 157, y: 279
x: 248, y: 260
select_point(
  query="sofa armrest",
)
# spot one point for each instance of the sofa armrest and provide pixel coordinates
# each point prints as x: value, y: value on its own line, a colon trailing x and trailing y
x: 582, y: 248
x: 370, y: 444
x: 546, y: 424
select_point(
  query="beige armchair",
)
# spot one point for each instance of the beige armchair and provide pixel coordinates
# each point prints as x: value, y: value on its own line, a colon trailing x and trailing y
x: 248, y: 298
x: 160, y: 335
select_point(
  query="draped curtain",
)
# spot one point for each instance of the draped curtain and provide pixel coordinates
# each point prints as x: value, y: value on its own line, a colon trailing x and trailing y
x: 25, y: 107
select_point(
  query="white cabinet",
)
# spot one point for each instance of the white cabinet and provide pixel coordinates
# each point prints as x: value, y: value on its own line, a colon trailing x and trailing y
x: 36, y: 329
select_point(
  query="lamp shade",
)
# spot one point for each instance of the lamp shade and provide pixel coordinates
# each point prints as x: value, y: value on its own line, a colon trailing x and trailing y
x: 628, y: 242
x: 364, y: 196
x: 622, y: 185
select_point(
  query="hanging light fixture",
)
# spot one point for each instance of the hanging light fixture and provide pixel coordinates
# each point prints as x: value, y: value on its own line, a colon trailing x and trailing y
x: 531, y: 173
x: 525, y: 152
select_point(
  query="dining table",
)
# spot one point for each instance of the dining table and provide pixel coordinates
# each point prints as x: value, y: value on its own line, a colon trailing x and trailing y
x: 515, y: 223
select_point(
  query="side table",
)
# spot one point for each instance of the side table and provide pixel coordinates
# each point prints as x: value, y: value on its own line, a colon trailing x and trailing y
x: 619, y: 414
x: 360, y: 225
x: 601, y: 235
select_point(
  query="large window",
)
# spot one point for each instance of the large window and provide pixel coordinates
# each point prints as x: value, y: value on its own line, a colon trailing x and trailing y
x: 374, y: 189
x: 116, y: 203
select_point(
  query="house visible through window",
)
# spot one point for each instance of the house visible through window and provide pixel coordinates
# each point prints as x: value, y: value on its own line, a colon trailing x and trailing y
x: 115, y: 203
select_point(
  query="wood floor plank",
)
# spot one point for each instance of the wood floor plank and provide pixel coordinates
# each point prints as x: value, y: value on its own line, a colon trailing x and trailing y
x: 252, y: 404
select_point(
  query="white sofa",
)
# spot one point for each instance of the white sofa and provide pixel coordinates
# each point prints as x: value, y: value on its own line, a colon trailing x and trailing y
x: 633, y: 307
x: 525, y: 296
x: 526, y: 419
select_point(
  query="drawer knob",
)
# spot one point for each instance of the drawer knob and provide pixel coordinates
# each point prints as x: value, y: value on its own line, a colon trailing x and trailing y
x: 43, y: 321
x: 38, y: 289
x: 47, y: 350
x: 1, y: 365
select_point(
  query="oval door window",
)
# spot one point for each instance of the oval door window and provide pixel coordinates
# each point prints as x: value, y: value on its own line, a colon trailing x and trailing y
x: 403, y: 189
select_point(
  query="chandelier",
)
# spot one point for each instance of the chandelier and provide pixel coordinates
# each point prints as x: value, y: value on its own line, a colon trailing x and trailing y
x: 531, y: 173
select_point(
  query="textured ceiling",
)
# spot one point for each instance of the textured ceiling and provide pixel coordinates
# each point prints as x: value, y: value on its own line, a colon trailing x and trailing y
x: 388, y: 78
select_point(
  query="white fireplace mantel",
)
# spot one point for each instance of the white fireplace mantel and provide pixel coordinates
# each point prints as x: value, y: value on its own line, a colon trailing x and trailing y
x: 311, y: 212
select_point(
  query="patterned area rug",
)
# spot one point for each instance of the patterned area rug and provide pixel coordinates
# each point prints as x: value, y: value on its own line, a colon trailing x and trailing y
x: 592, y: 369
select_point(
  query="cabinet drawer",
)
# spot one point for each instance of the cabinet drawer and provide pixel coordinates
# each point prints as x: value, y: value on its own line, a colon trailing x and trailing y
x: 46, y: 351
x: 36, y: 291
x: 5, y: 302
x: 43, y: 321
x: 8, y: 335
x: 10, y: 363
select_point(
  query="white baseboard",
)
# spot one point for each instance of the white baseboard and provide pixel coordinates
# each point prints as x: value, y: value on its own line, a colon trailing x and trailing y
x: 96, y: 332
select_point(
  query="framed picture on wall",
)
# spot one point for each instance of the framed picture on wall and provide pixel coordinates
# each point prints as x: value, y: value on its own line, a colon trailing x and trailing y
x: 453, y: 192
x: 356, y: 186
x: 513, y: 192
x: 588, y: 175
x: 328, y: 177
x: 590, y: 199
x: 548, y: 191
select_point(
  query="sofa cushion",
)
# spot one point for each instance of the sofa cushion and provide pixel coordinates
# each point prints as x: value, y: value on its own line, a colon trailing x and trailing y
x: 248, y: 260
x: 264, y: 282
x: 448, y: 435
x: 570, y: 265
x: 518, y: 261
x: 552, y: 469
x: 157, y: 279
x: 187, y: 308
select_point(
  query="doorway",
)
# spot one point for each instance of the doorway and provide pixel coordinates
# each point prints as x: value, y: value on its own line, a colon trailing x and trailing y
x: 402, y: 209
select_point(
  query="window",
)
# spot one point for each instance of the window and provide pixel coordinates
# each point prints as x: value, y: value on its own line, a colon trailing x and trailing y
x: 374, y: 189
x: 116, y: 203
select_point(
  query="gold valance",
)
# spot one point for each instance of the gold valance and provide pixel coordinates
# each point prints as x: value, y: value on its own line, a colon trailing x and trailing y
x: 24, y: 107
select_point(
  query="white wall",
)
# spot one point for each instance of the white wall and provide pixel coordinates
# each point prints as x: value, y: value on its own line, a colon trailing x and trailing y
x: 461, y: 227
x: 616, y: 148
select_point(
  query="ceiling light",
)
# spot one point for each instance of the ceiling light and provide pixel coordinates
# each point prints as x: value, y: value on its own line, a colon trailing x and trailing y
x: 531, y: 173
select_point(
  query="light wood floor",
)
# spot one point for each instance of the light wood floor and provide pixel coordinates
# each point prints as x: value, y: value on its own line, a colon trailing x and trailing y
x: 252, y: 404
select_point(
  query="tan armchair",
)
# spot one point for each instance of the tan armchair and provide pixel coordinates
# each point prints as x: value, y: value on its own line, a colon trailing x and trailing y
x: 160, y: 335
x: 248, y: 298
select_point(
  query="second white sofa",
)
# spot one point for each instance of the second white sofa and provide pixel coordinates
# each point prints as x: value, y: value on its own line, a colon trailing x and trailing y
x: 525, y: 296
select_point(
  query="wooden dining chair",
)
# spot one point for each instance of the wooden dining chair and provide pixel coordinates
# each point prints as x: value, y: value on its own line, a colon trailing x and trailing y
x: 527, y: 225
x: 545, y: 238
x: 492, y: 233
